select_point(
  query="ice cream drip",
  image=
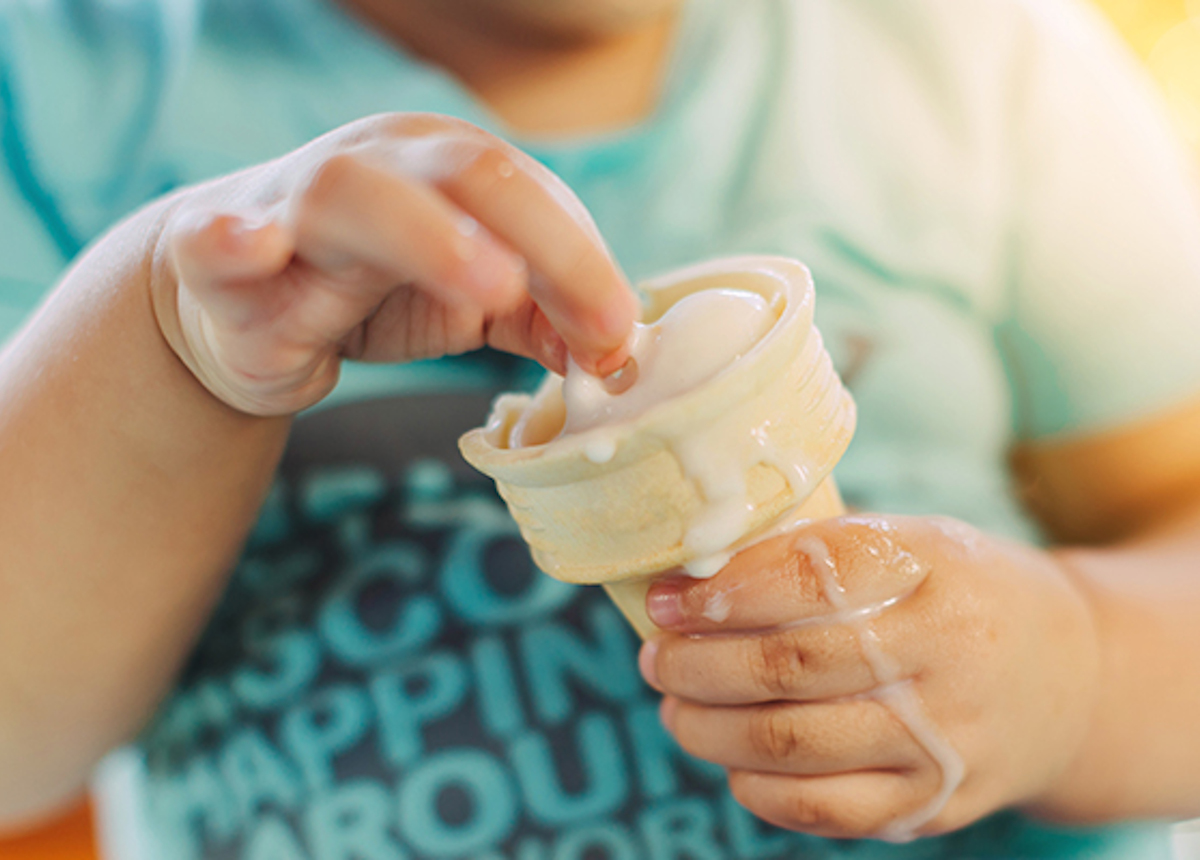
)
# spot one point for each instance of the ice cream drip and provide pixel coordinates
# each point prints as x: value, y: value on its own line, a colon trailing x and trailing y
x: 894, y: 692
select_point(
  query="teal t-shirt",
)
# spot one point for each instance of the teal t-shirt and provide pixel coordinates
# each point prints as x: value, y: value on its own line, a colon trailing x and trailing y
x: 1006, y: 242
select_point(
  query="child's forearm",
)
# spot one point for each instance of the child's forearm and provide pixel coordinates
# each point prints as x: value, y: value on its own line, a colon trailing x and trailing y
x: 1141, y: 758
x: 126, y: 490
x: 130, y: 468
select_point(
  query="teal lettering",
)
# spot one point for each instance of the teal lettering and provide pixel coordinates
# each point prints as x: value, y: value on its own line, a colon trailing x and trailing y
x: 428, y: 481
x: 655, y: 753
x: 402, y: 713
x: 351, y: 823
x: 602, y: 762
x: 499, y: 700
x: 294, y: 657
x: 610, y: 841
x: 680, y: 829
x: 468, y: 592
x: 272, y: 839
x: 331, y: 722
x: 418, y: 618
x: 750, y: 838
x: 256, y: 774
x: 207, y: 705
x: 493, y: 804
x: 553, y: 654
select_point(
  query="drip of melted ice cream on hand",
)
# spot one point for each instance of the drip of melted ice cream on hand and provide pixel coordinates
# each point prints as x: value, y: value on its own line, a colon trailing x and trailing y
x: 695, y: 340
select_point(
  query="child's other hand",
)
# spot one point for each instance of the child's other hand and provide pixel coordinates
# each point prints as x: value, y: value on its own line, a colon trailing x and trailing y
x: 394, y: 238
x: 766, y: 675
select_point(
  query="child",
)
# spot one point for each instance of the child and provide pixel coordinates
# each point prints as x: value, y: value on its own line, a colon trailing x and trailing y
x: 1007, y: 250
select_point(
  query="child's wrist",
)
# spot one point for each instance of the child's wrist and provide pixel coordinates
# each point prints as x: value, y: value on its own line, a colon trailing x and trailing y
x: 1082, y: 791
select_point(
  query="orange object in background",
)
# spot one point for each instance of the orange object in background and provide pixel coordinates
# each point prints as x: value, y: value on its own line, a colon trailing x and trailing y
x: 69, y: 838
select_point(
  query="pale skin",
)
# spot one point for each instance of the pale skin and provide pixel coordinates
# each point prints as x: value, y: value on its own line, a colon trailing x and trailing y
x: 143, y: 411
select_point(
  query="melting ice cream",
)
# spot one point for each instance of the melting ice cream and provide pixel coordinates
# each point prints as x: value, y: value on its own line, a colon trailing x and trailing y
x: 694, y: 341
x: 697, y: 338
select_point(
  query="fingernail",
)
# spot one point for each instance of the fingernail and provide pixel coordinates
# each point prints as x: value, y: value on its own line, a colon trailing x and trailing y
x: 646, y: 663
x: 615, y: 362
x: 623, y: 378
x: 664, y: 605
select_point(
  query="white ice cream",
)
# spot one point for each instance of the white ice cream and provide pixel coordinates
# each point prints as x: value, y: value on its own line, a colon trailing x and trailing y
x: 694, y: 341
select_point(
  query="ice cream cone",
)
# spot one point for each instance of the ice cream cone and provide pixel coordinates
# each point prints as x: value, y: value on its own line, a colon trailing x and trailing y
x: 688, y: 480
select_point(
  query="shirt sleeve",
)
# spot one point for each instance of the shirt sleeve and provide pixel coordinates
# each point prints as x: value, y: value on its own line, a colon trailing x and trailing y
x: 81, y: 91
x: 30, y: 257
x: 1104, y: 321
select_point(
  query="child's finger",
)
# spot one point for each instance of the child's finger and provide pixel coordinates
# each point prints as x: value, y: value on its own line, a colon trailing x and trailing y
x: 214, y: 252
x: 808, y: 739
x: 819, y: 662
x: 832, y: 570
x: 580, y: 289
x: 354, y: 212
x: 845, y: 806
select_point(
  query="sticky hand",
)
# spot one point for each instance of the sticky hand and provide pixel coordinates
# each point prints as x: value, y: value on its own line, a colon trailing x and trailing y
x: 880, y: 677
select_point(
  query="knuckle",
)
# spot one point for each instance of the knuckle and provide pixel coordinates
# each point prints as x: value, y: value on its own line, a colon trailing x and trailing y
x: 777, y: 666
x: 808, y: 811
x: 803, y: 807
x: 791, y: 805
x: 328, y: 181
x: 836, y: 817
x: 775, y: 736
x: 191, y: 235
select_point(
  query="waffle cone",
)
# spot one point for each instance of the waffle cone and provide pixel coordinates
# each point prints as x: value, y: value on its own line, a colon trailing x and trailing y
x: 619, y: 504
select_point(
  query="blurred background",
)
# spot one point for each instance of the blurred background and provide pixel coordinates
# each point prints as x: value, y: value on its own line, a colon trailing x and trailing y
x: 1165, y: 33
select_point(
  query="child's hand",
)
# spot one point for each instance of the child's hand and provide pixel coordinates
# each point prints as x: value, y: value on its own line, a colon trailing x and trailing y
x: 394, y: 238
x: 768, y: 676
